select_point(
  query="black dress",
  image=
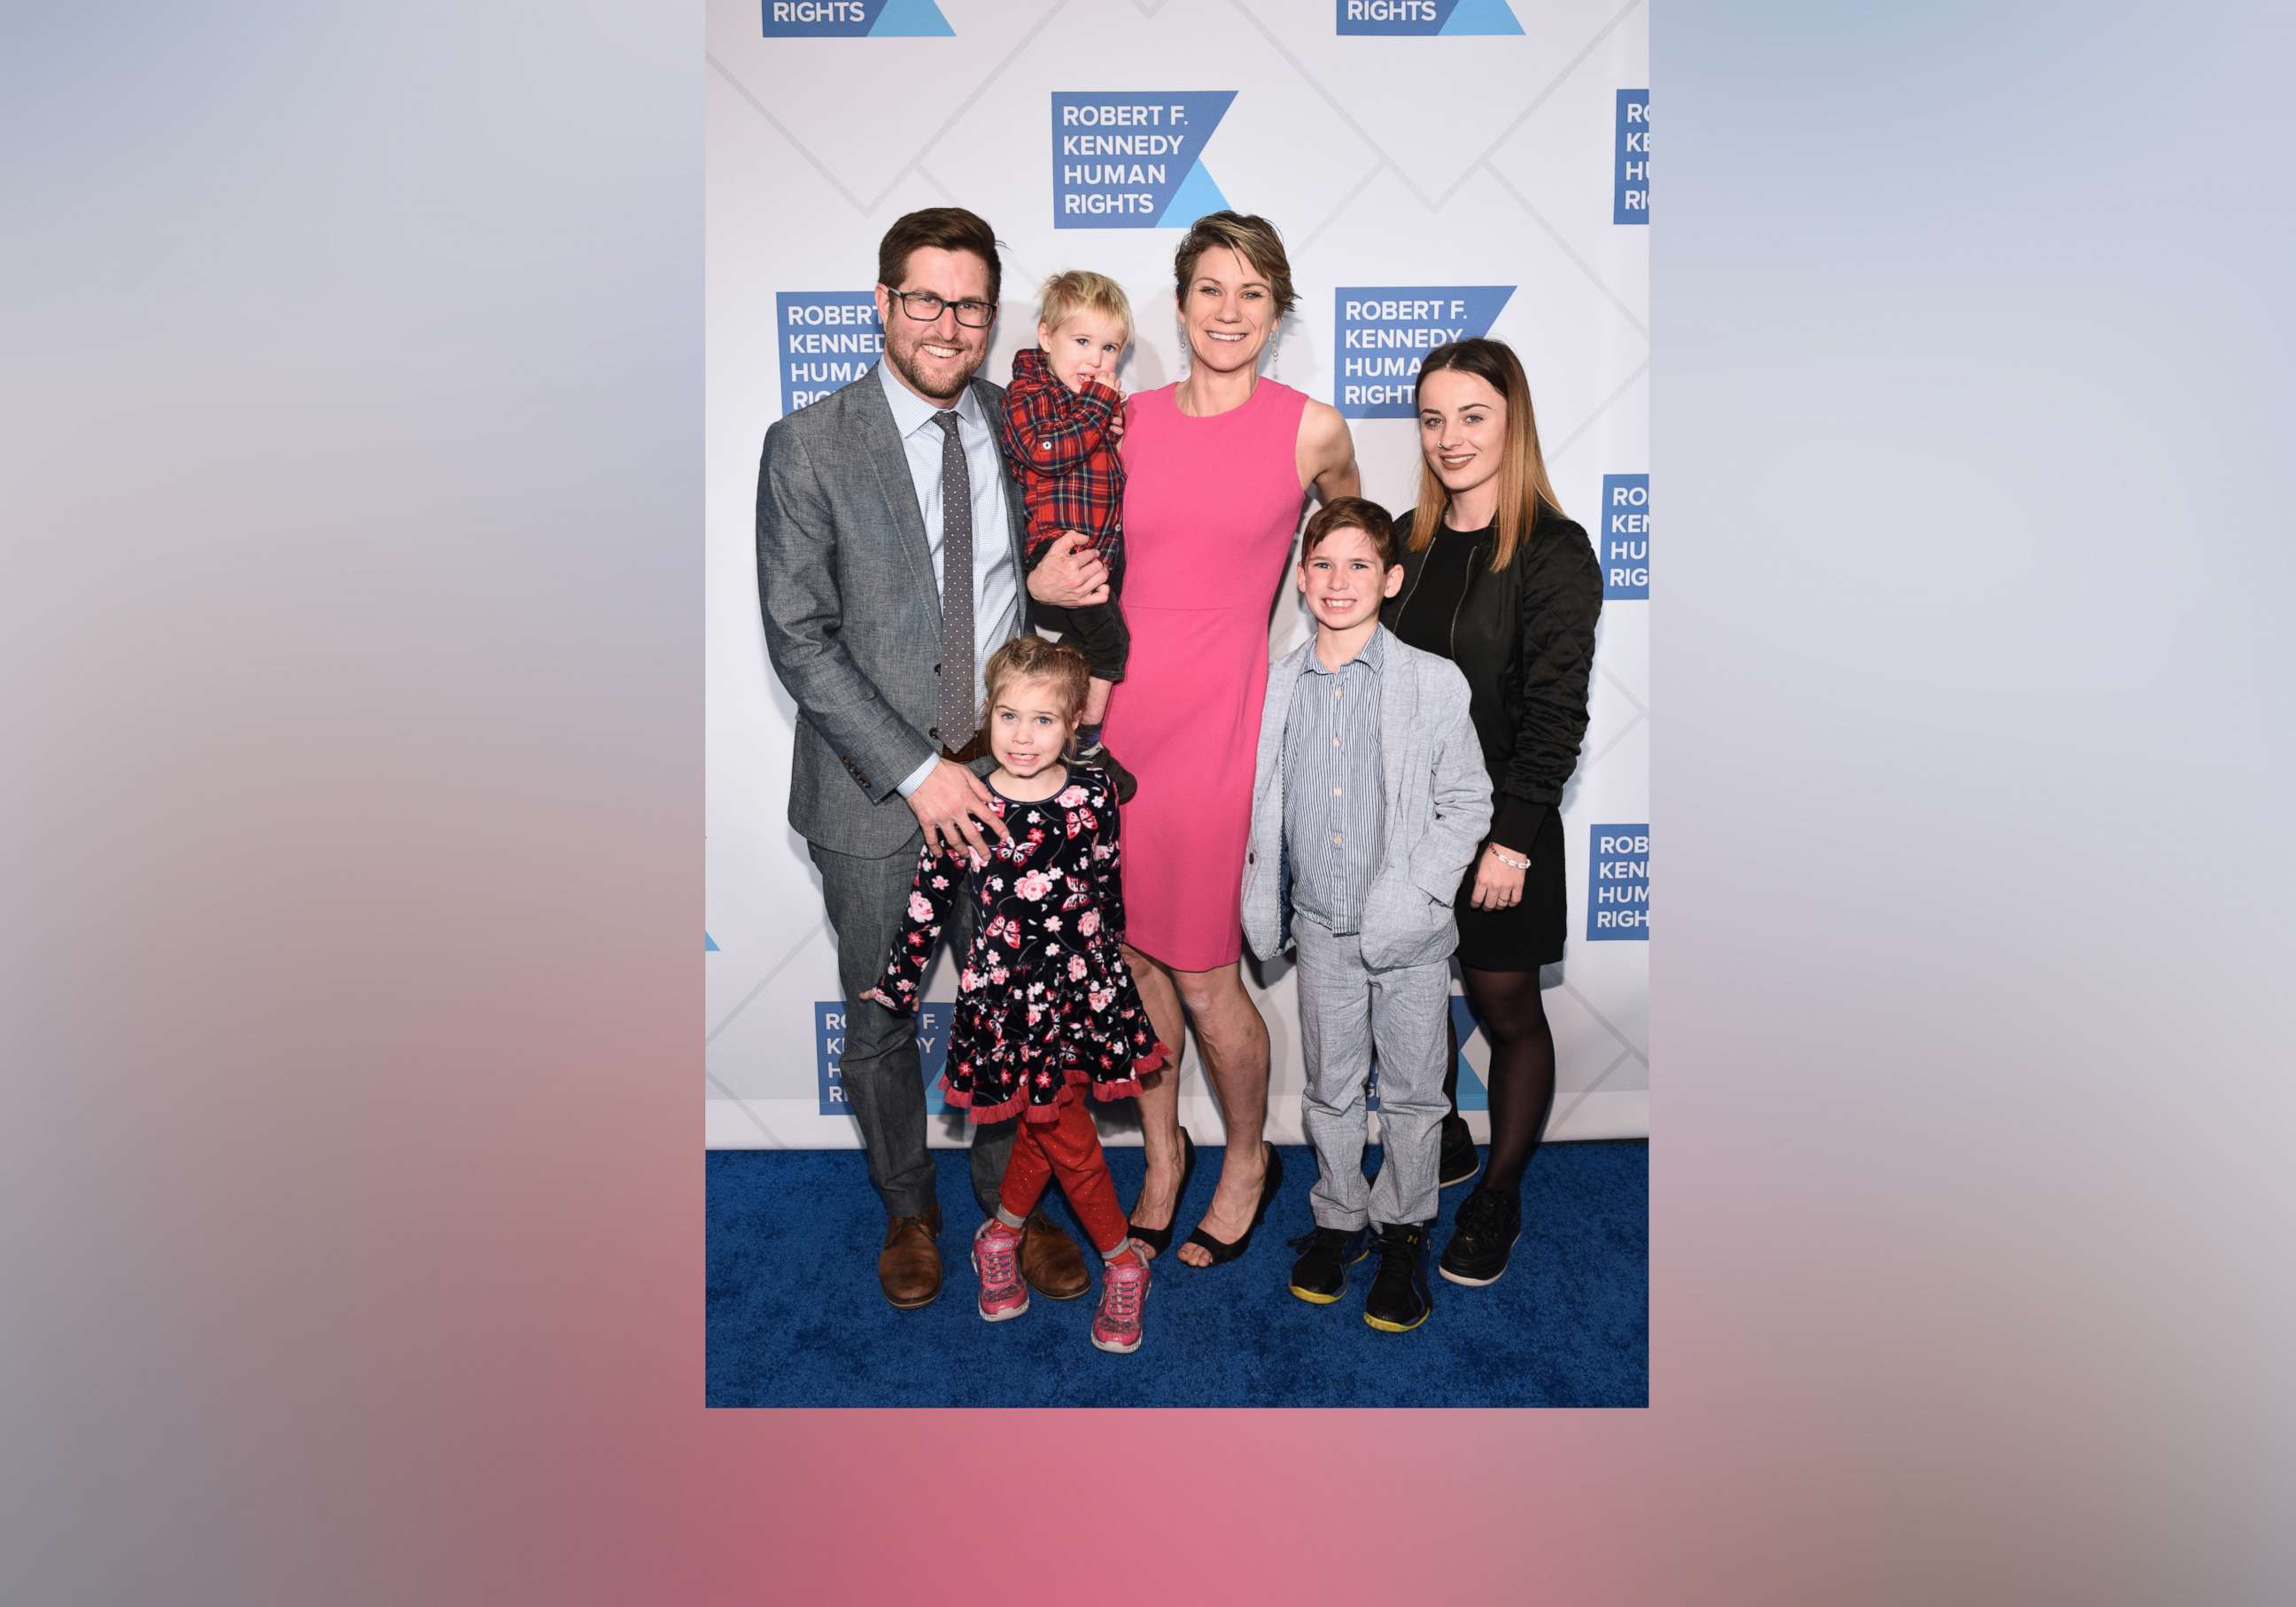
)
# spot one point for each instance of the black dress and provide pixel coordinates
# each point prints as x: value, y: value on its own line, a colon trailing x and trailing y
x: 1524, y: 638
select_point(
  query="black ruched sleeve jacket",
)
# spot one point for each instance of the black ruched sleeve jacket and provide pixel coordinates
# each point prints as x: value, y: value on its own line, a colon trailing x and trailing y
x: 1525, y: 640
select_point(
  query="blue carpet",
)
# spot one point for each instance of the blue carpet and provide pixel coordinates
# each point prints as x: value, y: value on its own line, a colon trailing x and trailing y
x: 795, y: 1317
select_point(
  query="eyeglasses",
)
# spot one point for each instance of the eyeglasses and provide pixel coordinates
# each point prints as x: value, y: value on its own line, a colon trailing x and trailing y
x: 925, y: 307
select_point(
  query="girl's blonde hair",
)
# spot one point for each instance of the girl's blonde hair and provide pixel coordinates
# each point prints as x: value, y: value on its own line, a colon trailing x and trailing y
x: 1031, y: 657
x: 1063, y: 296
x: 1524, y: 490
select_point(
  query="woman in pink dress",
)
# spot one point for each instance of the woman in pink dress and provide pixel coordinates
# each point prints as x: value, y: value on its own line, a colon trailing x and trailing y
x: 1217, y: 469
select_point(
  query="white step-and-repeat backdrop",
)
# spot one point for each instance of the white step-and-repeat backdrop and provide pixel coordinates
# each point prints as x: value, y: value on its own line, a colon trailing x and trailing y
x: 1438, y: 167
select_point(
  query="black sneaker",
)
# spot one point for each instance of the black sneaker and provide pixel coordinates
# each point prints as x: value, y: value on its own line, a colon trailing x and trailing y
x: 1489, y: 1223
x: 1399, y: 1299
x: 1461, y: 1161
x: 1320, y: 1276
x: 1121, y: 779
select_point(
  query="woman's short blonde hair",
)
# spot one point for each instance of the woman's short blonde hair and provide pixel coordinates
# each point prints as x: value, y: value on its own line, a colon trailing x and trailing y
x: 1251, y: 237
x: 1081, y: 290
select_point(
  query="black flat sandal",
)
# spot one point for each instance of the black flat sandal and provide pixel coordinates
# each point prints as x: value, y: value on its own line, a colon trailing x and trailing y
x: 1221, y: 1250
x: 1160, y: 1239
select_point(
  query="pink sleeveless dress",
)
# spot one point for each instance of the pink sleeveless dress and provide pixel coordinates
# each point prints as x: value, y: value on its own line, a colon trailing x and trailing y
x: 1211, y: 506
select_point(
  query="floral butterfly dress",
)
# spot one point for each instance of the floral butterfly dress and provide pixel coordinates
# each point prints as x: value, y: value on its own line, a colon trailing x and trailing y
x: 1044, y: 1001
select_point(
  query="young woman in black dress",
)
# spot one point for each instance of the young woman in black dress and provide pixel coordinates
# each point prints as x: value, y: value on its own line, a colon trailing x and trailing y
x: 1500, y: 582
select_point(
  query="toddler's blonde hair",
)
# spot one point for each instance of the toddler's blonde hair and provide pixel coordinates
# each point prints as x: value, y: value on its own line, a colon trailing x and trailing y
x: 1063, y: 296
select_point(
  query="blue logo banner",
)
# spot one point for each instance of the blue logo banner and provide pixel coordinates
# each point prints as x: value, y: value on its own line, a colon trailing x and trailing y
x: 1135, y: 160
x: 828, y: 340
x: 1631, y: 201
x: 1618, y: 885
x: 1385, y: 330
x: 1412, y: 19
x: 1626, y: 537
x: 829, y: 1050
x: 855, y: 19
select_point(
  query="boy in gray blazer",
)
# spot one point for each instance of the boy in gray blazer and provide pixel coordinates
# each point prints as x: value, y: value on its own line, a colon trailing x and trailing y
x: 1369, y: 799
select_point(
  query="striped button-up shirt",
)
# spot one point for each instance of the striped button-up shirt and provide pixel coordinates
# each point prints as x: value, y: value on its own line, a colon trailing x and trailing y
x: 1334, y: 799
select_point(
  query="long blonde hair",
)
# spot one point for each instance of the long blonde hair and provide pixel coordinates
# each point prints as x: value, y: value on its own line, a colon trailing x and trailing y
x: 1524, y: 490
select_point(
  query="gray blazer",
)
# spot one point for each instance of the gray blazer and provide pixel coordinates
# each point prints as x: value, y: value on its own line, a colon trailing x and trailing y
x: 852, y: 612
x: 1439, y: 806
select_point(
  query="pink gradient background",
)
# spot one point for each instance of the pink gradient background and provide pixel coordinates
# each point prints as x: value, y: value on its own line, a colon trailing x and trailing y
x: 350, y: 1184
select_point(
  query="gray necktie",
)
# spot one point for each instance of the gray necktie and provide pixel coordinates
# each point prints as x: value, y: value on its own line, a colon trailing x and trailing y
x: 958, y: 676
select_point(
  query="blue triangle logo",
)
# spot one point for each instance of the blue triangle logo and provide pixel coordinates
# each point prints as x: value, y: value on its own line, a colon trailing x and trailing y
x: 1481, y: 17
x: 1196, y: 196
x: 919, y: 20
x: 708, y: 943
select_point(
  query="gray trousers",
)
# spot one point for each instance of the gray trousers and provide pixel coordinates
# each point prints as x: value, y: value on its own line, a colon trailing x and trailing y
x: 884, y: 1079
x: 1345, y: 1013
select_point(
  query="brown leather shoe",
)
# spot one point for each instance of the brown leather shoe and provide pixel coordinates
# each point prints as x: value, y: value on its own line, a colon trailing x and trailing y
x: 909, y: 1265
x: 1051, y: 1261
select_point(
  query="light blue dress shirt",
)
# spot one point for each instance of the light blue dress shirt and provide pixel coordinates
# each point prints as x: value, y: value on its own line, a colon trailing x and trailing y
x: 996, y: 578
x: 1334, y: 791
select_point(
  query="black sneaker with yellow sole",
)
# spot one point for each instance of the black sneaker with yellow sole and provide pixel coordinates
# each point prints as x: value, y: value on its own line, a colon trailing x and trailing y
x: 1399, y: 1299
x: 1320, y: 1276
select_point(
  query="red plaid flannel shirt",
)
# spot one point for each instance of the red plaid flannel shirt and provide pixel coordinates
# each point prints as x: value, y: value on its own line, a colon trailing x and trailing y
x: 1058, y: 443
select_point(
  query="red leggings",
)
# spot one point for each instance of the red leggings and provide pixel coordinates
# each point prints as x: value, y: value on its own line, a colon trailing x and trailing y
x: 1069, y: 1146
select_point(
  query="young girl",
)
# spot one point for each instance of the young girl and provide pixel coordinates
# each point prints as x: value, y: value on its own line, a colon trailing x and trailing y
x: 1044, y: 1003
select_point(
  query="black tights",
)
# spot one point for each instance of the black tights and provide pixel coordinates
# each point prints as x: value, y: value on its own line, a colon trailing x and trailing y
x: 1521, y: 1074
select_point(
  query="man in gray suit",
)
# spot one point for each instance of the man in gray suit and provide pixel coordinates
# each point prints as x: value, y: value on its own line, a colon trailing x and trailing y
x: 889, y: 568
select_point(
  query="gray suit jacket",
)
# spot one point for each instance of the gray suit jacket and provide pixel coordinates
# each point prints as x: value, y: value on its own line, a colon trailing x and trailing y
x: 845, y: 577
x: 1439, y: 806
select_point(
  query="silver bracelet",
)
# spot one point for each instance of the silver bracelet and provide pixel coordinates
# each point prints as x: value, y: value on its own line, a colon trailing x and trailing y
x: 1502, y: 856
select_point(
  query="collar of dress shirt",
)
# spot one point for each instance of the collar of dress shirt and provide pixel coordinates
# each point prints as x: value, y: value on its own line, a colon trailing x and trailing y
x: 911, y: 413
x: 1371, y: 655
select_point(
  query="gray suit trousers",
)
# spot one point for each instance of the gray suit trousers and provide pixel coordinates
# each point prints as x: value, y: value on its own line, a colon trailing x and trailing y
x: 884, y: 1079
x: 1345, y: 1011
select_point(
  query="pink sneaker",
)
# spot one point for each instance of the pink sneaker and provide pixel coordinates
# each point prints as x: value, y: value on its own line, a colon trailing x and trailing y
x: 1123, y: 1292
x: 996, y: 1263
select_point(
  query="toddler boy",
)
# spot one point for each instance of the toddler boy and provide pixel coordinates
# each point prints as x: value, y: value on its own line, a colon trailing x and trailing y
x: 1063, y: 416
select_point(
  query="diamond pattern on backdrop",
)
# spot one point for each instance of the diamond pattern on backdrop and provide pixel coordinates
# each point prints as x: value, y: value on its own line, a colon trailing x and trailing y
x: 1513, y: 185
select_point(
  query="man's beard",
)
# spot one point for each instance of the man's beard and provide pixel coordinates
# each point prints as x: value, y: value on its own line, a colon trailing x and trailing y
x: 900, y: 360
